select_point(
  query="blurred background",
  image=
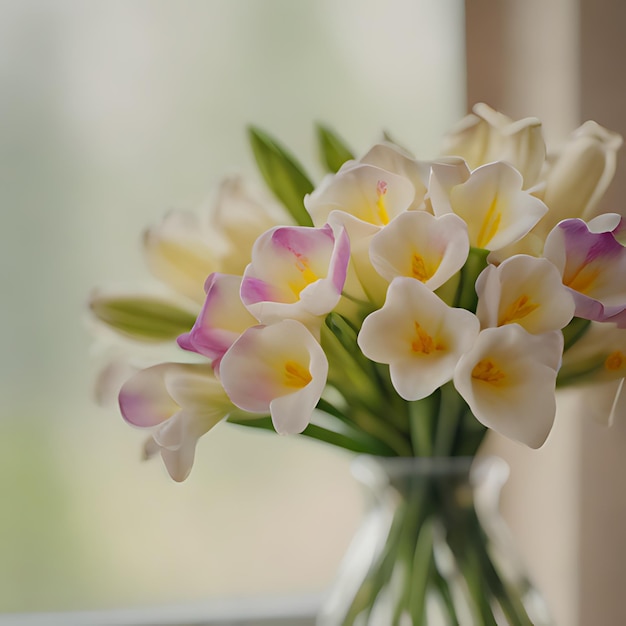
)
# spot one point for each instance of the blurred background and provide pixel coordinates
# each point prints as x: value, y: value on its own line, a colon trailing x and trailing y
x: 111, y: 114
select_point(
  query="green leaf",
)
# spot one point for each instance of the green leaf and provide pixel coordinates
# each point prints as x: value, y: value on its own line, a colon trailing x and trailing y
x: 282, y: 174
x: 333, y: 151
x: 142, y: 317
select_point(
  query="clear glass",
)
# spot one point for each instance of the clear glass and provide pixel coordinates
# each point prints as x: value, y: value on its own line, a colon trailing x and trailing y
x: 432, y: 549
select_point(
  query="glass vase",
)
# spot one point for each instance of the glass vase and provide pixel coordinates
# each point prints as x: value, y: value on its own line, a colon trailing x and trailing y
x: 432, y: 549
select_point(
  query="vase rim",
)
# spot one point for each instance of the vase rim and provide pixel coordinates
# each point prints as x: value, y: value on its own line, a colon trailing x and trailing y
x: 371, y: 469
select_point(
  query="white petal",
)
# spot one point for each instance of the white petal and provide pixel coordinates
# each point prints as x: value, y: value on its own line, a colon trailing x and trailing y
x: 419, y: 336
x: 508, y: 379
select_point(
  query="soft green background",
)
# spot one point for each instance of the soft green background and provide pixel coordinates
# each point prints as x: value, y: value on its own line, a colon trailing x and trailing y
x: 111, y: 113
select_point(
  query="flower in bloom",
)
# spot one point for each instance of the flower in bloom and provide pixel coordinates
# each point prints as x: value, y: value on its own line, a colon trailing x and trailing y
x: 280, y: 369
x: 508, y: 379
x: 491, y: 202
x: 419, y: 336
x: 222, y: 318
x: 486, y: 135
x: 523, y: 290
x: 419, y: 245
x: 180, y: 402
x: 361, y: 197
x: 296, y: 272
x: 592, y: 265
x: 393, y: 159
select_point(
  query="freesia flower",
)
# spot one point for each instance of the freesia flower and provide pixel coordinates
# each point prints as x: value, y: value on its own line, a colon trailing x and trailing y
x: 179, y: 253
x: 186, y: 246
x: 180, y: 402
x: 280, y: 369
x: 419, y: 336
x: 579, y: 176
x: 239, y: 216
x: 361, y: 197
x: 417, y: 244
x: 486, y: 135
x: 393, y: 159
x: 222, y: 319
x: 593, y: 267
x: 508, y: 380
x: 491, y: 202
x: 523, y: 290
x: 296, y: 272
x: 598, y: 356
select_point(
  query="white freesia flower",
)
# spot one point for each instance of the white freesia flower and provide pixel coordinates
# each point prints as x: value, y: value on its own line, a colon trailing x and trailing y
x: 598, y: 356
x: 486, y: 135
x: 179, y: 253
x: 417, y: 244
x: 180, y: 402
x: 279, y: 369
x: 579, y: 175
x: 393, y: 159
x: 185, y: 247
x: 492, y: 204
x: 361, y: 197
x: 524, y: 290
x: 419, y: 336
x: 508, y: 380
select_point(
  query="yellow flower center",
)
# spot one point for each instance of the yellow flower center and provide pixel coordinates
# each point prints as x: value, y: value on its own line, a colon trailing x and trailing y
x: 490, y: 224
x: 615, y: 361
x: 307, y: 275
x: 487, y: 371
x: 419, y: 269
x: 583, y: 279
x: 381, y: 209
x: 517, y: 310
x: 296, y: 375
x: 423, y: 343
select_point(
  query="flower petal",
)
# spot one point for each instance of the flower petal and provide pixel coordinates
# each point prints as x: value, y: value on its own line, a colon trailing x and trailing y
x: 296, y: 272
x: 222, y: 319
x: 419, y: 336
x: 417, y: 244
x: 496, y: 210
x: 508, y: 380
x: 523, y: 290
x: 280, y: 369
x: 593, y: 267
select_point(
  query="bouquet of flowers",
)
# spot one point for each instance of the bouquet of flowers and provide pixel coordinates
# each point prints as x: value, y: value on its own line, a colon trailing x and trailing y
x: 398, y: 307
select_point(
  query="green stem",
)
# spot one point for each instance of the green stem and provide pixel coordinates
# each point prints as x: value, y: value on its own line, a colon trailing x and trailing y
x: 449, y: 420
x: 421, y: 417
x: 466, y: 297
x: 574, y: 331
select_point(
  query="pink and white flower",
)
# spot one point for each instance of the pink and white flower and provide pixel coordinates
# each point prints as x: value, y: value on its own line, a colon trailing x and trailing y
x: 592, y: 264
x: 180, y: 403
x: 296, y: 272
x: 279, y: 369
x: 222, y: 319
